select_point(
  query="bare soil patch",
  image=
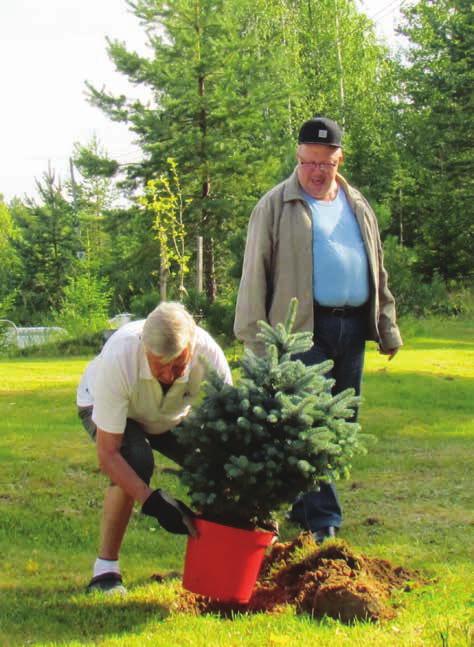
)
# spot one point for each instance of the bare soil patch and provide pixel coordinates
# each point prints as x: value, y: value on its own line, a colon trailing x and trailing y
x: 330, y: 580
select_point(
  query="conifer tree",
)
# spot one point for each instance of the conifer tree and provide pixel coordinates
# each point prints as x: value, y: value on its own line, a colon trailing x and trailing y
x: 210, y: 90
x: 47, y: 246
x: 438, y: 135
x: 94, y: 195
x: 255, y: 446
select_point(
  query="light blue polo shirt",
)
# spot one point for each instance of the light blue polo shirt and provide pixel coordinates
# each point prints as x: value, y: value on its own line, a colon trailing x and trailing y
x: 340, y: 266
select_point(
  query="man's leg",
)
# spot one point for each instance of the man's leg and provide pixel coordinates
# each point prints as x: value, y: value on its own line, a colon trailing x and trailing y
x: 168, y: 445
x: 343, y: 341
x: 349, y: 365
x: 116, y: 513
x: 118, y: 506
x: 319, y: 509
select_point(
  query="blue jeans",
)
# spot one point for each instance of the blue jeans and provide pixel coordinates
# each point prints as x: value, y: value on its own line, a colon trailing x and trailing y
x: 341, y: 339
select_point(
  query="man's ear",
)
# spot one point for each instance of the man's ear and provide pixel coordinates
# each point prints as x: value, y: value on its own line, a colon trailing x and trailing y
x: 341, y: 159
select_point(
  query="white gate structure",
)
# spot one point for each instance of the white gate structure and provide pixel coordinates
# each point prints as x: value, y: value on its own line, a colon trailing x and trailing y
x: 24, y: 336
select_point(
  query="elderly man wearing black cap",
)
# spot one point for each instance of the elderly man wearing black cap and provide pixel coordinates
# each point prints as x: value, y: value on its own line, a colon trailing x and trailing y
x: 315, y: 237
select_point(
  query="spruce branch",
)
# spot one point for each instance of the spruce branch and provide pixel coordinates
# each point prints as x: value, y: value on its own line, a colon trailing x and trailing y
x: 291, y: 315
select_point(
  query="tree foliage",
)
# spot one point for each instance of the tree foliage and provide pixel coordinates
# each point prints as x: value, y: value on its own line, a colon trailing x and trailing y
x: 209, y: 88
x: 439, y: 134
x: 164, y: 198
x: 228, y: 84
x: 93, y: 196
x: 10, y: 265
x: 83, y: 308
x: 277, y: 433
x: 47, y: 246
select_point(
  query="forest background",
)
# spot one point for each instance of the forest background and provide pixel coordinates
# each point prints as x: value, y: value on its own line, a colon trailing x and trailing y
x: 228, y: 85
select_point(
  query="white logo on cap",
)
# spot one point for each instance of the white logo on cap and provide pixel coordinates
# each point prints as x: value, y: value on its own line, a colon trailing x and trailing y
x: 323, y: 134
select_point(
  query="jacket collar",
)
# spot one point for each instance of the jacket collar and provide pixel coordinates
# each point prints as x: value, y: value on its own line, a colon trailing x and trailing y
x: 292, y: 189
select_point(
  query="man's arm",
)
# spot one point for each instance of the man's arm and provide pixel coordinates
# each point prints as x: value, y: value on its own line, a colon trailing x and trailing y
x: 255, y: 283
x: 112, y: 463
x: 170, y: 513
x: 390, y: 338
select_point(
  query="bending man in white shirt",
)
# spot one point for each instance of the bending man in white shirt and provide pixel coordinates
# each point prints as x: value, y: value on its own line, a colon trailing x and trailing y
x: 130, y: 398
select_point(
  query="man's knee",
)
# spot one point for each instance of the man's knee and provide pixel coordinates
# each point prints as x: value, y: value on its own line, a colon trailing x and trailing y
x: 137, y: 452
x: 140, y: 459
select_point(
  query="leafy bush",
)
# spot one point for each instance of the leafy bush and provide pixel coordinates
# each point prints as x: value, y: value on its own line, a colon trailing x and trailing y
x: 196, y: 303
x: 217, y: 317
x: 84, y: 306
x: 461, y: 300
x: 278, y: 432
x: 142, y: 304
x: 413, y: 294
x: 220, y: 317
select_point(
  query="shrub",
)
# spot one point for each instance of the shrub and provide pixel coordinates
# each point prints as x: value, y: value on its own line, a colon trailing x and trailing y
x: 278, y: 432
x: 142, y: 304
x: 217, y: 317
x: 414, y: 294
x: 84, y: 306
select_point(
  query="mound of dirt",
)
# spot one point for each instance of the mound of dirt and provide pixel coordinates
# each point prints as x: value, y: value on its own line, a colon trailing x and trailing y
x: 330, y: 580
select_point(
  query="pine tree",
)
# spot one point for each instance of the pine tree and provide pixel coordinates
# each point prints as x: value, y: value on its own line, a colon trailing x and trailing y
x: 211, y: 88
x: 438, y: 135
x: 228, y: 85
x: 255, y: 446
x: 47, y: 246
x: 94, y: 195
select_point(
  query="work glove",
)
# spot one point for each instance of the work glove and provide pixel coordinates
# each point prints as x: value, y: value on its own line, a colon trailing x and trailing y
x: 173, y: 515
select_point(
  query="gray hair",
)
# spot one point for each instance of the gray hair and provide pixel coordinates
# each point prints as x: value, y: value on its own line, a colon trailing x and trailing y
x: 168, y: 330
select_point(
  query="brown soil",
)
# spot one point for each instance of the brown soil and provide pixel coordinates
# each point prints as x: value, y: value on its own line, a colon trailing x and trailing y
x: 330, y: 580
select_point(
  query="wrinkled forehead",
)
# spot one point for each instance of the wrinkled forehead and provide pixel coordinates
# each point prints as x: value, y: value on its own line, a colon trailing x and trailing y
x: 319, y: 152
x: 182, y: 357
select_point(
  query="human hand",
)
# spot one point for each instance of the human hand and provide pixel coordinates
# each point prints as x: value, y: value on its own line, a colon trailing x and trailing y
x: 391, y: 352
x: 172, y: 514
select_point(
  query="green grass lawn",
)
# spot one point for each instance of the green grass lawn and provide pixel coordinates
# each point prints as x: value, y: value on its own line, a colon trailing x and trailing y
x: 409, y: 500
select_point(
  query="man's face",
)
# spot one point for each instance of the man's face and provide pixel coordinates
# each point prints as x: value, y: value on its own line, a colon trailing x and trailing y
x: 168, y: 372
x: 317, y: 169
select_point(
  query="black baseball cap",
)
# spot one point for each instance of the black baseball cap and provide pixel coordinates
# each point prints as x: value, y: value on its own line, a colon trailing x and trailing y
x: 320, y: 130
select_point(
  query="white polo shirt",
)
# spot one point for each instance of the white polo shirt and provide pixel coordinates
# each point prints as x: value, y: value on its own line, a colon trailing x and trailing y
x: 118, y: 383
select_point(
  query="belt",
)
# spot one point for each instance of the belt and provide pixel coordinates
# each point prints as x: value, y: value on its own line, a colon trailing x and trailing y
x: 341, y: 311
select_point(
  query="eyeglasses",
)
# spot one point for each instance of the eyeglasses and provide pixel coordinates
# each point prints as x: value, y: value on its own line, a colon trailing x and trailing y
x: 323, y: 166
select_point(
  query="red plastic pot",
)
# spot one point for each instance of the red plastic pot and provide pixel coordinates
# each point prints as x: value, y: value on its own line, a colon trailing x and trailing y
x: 223, y: 562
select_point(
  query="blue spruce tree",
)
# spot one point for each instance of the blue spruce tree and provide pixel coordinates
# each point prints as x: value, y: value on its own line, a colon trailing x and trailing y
x: 255, y: 446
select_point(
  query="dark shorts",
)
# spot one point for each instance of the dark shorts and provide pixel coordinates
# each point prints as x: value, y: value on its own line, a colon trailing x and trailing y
x: 137, y: 444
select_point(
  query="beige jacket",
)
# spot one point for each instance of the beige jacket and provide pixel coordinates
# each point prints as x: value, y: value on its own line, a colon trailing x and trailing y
x: 278, y: 265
